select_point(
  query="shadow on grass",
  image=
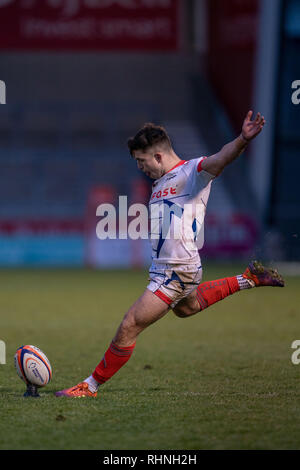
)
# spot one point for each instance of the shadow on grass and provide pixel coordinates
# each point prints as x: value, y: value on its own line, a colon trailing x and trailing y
x: 10, y: 393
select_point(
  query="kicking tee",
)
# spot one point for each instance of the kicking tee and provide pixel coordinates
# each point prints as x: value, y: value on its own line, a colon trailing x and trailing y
x: 177, y: 208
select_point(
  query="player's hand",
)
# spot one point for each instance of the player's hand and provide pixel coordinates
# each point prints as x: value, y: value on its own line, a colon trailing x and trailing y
x: 250, y: 128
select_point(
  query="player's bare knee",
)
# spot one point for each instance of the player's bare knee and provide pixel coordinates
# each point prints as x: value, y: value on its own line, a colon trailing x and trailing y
x: 186, y: 310
x: 181, y: 312
x: 128, y: 322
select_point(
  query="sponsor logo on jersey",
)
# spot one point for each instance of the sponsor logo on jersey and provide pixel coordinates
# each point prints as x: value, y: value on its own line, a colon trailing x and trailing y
x: 164, y: 193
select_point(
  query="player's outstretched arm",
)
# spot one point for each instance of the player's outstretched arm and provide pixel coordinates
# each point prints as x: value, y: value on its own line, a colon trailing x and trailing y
x: 216, y: 163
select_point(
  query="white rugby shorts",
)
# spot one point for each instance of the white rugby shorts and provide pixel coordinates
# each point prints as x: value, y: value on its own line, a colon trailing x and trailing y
x: 173, y: 282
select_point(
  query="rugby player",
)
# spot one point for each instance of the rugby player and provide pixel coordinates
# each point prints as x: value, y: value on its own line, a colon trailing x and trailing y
x: 176, y: 271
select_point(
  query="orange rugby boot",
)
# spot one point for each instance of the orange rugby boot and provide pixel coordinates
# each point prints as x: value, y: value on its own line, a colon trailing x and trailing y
x: 79, y: 391
x: 259, y: 276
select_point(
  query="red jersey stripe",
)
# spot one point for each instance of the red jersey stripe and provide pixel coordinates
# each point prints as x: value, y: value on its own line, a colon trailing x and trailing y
x: 199, y: 167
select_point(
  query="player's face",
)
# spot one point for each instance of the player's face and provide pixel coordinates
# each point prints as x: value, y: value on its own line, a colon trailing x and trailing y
x: 149, y: 163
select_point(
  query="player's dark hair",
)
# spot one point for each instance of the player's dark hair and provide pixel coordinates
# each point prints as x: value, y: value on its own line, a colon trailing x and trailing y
x: 149, y: 135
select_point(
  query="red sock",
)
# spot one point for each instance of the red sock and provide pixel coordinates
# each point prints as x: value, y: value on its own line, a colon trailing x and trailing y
x: 211, y: 292
x: 114, y: 358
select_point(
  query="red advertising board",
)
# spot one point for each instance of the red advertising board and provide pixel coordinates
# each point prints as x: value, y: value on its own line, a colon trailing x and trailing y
x: 89, y: 24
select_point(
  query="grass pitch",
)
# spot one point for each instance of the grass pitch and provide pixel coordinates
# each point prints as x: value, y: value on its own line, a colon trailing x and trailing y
x: 222, y: 379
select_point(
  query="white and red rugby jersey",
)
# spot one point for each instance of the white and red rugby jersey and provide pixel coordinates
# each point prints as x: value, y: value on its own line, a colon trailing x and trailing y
x: 177, y: 208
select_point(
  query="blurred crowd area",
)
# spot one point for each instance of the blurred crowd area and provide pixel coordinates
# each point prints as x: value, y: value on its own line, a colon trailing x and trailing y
x: 82, y: 77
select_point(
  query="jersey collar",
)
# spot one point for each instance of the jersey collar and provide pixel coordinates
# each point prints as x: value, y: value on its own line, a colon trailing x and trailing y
x: 177, y: 164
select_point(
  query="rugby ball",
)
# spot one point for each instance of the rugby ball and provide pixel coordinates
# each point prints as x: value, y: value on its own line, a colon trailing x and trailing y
x: 33, y: 366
